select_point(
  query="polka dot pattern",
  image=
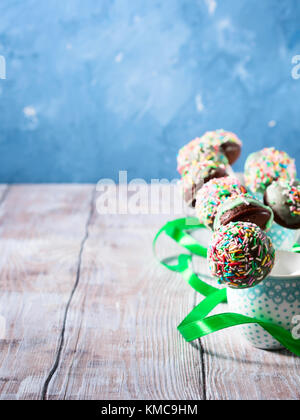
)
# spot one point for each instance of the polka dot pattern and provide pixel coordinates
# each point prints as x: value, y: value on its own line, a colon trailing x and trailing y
x: 275, y: 300
x: 283, y: 239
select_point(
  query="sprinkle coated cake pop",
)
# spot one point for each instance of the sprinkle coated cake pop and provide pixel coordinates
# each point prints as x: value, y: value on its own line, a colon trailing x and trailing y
x: 267, y: 165
x: 244, y: 208
x: 200, y: 153
x: 184, y: 154
x: 223, y: 141
x: 228, y: 143
x: 212, y: 194
x: 198, y: 174
x: 240, y: 255
x: 284, y: 199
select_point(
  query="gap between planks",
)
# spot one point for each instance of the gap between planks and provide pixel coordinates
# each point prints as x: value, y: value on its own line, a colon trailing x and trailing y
x: 4, y: 194
x: 78, y: 272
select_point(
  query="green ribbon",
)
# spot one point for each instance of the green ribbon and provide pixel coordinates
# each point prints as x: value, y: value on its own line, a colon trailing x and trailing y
x: 197, y: 324
x: 296, y: 248
x: 177, y: 231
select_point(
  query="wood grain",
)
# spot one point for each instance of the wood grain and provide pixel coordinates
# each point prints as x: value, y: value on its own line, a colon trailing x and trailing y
x: 41, y: 232
x: 91, y: 315
x: 121, y: 338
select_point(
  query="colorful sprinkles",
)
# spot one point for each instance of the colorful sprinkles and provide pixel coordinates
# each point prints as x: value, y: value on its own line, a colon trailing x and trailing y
x: 267, y: 165
x: 291, y: 190
x: 214, y: 193
x: 200, y: 153
x: 220, y: 137
x: 241, y: 255
x: 183, y: 157
x: 213, y: 139
x: 200, y: 169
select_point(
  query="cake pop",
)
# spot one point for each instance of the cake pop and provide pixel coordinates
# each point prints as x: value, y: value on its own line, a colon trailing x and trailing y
x: 201, y: 153
x: 228, y: 143
x: 244, y: 208
x: 240, y: 255
x: 212, y: 194
x: 197, y: 174
x: 284, y: 198
x: 222, y: 141
x: 267, y: 165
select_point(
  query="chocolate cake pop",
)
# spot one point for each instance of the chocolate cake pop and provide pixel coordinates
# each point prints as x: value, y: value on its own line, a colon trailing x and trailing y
x: 197, y: 174
x: 267, y: 165
x: 214, y: 193
x: 244, y: 208
x: 227, y: 142
x: 184, y: 155
x: 284, y: 199
x: 240, y: 255
x: 222, y: 141
x: 201, y: 153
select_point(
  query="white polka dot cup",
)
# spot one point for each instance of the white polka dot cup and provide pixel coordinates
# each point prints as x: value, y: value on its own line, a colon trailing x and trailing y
x: 276, y: 300
x: 283, y: 239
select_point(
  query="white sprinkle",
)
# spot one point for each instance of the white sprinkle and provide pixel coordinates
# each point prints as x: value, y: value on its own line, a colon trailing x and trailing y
x: 29, y: 111
x: 119, y: 57
x: 199, y: 103
x: 211, y: 6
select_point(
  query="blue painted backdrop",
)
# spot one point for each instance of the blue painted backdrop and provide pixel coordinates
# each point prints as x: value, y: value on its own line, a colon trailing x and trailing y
x: 96, y: 86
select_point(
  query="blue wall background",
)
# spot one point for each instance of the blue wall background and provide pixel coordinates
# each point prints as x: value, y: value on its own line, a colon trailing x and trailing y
x: 94, y: 87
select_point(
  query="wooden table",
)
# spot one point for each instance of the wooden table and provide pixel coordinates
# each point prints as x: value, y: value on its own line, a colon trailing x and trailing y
x: 91, y: 315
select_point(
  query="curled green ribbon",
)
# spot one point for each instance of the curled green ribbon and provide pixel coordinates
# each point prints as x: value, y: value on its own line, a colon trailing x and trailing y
x: 177, y: 231
x: 296, y: 248
x: 197, y: 324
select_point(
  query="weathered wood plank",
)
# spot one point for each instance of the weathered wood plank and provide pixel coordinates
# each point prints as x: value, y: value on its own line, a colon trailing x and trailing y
x: 90, y: 314
x: 237, y: 371
x: 121, y: 338
x: 41, y: 232
x: 3, y: 192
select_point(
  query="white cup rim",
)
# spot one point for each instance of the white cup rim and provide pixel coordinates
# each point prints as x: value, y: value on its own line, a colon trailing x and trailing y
x: 291, y: 260
x: 285, y: 277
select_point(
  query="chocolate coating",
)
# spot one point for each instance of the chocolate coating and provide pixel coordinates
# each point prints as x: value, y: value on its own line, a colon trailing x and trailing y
x: 277, y: 197
x: 247, y: 213
x: 196, y: 151
x: 244, y: 209
x: 268, y: 165
x: 227, y: 142
x: 232, y: 151
x: 190, y: 193
x: 216, y: 173
x: 213, y: 194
